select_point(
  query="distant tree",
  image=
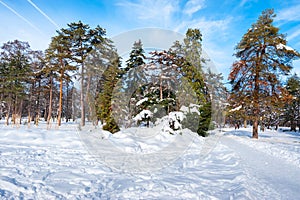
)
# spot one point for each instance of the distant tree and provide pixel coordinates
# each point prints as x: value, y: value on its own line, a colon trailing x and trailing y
x: 37, y: 63
x: 14, y: 77
x: 262, y: 57
x: 292, y: 108
x: 218, y: 94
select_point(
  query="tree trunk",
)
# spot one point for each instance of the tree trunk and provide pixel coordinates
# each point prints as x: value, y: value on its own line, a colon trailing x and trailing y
x: 60, y: 98
x: 37, y: 117
x: 293, y: 125
x: 256, y: 100
x: 82, y: 97
x: 87, y: 97
x: 245, y: 123
x: 8, y: 114
x: 50, y: 102
x: 29, y: 105
x: 255, y: 129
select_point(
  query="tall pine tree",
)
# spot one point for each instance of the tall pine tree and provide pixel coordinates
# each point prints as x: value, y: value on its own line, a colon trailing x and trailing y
x: 262, y: 57
x: 83, y: 40
x: 58, y: 54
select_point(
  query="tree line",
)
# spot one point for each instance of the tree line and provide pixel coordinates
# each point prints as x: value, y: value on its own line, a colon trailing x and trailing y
x: 76, y: 76
x: 81, y: 76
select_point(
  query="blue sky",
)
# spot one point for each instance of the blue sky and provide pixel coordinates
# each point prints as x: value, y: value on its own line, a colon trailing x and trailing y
x: 222, y: 22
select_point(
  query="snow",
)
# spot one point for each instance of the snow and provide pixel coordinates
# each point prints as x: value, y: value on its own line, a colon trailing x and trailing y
x: 143, y: 114
x: 192, y: 108
x: 282, y: 46
x: 146, y: 163
x: 176, y: 118
x: 140, y: 102
x: 236, y: 109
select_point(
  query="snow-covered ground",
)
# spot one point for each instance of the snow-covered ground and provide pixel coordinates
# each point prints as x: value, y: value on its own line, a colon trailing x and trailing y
x: 145, y: 163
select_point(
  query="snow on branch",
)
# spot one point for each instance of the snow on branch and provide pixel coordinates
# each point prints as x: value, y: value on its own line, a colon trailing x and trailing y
x: 235, y: 109
x: 282, y: 46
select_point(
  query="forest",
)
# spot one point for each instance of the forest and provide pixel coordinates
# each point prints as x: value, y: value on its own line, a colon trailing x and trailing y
x: 80, y: 77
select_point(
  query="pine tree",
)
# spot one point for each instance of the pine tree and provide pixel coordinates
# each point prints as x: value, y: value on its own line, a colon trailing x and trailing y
x: 83, y: 40
x: 14, y: 73
x: 189, y: 59
x: 37, y: 63
x: 136, y: 57
x: 218, y: 94
x: 106, y: 86
x: 133, y: 78
x: 57, y: 55
x: 292, y: 108
x: 262, y: 57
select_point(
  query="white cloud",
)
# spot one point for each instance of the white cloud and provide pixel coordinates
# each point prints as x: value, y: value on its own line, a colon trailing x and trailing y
x: 156, y: 11
x: 207, y: 27
x: 289, y: 14
x: 193, y: 6
x: 294, y: 35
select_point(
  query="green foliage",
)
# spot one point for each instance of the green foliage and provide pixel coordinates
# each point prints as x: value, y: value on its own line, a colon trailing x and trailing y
x: 111, y: 125
x: 136, y: 57
x: 291, y: 112
x: 15, y: 76
x: 188, y: 58
x: 204, y: 119
x: 82, y: 40
x: 107, y: 84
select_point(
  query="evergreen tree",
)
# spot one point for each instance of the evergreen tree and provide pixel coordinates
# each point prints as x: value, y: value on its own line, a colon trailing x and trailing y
x: 14, y: 77
x: 106, y: 87
x: 292, y: 108
x: 189, y: 59
x: 218, y: 94
x: 136, y: 57
x: 83, y: 40
x: 262, y: 57
x: 57, y: 55
x: 133, y: 78
x: 37, y: 62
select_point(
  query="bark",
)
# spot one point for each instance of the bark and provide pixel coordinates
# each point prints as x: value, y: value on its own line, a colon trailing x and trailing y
x: 256, y: 97
x: 50, y: 102
x: 82, y: 97
x: 255, y: 129
x: 60, y: 98
x: 7, y: 115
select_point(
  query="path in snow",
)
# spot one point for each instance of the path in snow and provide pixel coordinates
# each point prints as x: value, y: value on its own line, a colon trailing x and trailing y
x: 279, y: 174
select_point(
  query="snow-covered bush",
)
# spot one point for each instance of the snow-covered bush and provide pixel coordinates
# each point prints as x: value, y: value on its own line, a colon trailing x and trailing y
x: 173, y: 123
x: 175, y: 119
x: 143, y: 116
